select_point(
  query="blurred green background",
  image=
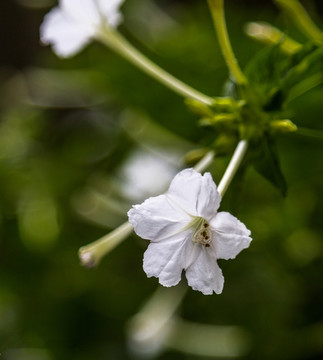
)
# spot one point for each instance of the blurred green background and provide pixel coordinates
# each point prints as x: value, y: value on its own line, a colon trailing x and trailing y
x: 83, y: 139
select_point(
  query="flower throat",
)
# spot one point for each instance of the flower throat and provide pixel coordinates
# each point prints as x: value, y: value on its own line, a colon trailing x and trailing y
x: 202, y: 234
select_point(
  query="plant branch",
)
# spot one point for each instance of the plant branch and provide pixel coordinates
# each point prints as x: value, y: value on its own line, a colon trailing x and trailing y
x: 233, y: 166
x: 120, y: 45
x: 217, y: 11
x: 301, y: 18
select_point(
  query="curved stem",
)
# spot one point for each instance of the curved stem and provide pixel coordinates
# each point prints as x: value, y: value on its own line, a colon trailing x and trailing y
x: 301, y: 18
x: 217, y: 11
x: 119, y: 44
x: 233, y: 166
x: 90, y: 255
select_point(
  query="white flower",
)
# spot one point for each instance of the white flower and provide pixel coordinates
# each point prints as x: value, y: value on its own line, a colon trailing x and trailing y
x: 71, y: 25
x: 187, y: 232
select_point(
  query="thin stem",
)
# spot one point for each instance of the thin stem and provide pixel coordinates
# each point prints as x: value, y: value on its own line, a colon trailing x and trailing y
x: 301, y: 18
x: 155, y: 320
x: 217, y: 11
x: 90, y: 255
x: 205, y: 162
x: 233, y: 166
x: 119, y: 44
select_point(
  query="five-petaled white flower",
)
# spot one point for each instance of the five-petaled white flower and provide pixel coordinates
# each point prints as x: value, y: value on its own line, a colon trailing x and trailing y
x: 71, y: 25
x: 187, y: 232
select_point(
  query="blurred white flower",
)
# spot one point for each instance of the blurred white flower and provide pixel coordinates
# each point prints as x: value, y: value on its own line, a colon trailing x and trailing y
x: 187, y: 232
x: 71, y: 25
x: 146, y: 173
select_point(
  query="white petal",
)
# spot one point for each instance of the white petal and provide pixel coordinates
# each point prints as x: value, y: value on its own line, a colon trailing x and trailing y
x: 110, y: 9
x: 83, y: 11
x: 205, y: 274
x: 157, y: 218
x: 229, y: 235
x: 66, y: 36
x: 166, y: 259
x: 195, y: 193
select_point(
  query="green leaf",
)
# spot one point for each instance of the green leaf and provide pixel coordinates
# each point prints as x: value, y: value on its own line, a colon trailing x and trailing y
x: 307, y: 62
x: 264, y: 71
x: 273, y: 73
x: 266, y: 163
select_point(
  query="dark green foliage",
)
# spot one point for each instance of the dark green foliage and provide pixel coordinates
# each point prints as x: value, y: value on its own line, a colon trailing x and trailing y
x: 66, y: 133
x: 272, y: 73
x: 264, y: 158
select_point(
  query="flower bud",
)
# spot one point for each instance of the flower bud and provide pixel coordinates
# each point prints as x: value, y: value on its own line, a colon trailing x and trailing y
x: 283, y: 126
x: 90, y: 255
x: 268, y: 34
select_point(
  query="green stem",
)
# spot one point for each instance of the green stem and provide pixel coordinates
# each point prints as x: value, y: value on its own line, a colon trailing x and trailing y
x: 90, y: 255
x: 119, y: 44
x: 300, y: 16
x: 155, y: 320
x: 233, y: 166
x: 205, y: 162
x: 217, y: 11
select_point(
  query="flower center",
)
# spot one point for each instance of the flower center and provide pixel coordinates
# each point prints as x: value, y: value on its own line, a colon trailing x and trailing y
x: 202, y: 234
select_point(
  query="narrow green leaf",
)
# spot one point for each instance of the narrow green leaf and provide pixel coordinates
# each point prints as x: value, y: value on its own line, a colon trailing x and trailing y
x: 305, y: 67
